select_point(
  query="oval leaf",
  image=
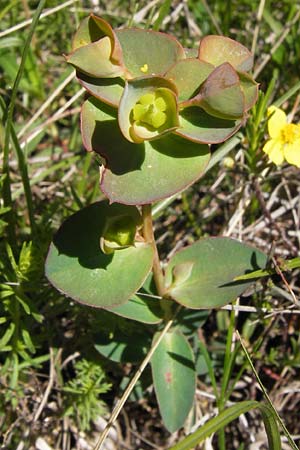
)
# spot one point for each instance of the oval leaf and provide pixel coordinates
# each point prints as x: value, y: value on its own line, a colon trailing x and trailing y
x: 187, y: 75
x: 137, y: 174
x: 198, y: 126
x: 217, y: 261
x: 219, y: 49
x: 77, y: 267
x: 221, y: 94
x: 148, y: 52
x: 174, y: 377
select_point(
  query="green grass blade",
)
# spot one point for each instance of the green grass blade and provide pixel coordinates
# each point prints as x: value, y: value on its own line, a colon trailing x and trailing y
x: 284, y: 266
x: 163, y: 12
x: 287, y: 95
x: 227, y: 416
x: 271, y: 407
x: 7, y: 197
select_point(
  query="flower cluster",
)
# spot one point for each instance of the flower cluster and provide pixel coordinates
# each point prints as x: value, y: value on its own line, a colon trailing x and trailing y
x: 285, y: 138
x: 158, y: 87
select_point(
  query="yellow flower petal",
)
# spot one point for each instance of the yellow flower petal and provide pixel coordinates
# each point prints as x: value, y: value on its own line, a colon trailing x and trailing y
x: 274, y: 150
x: 276, y: 122
x: 292, y: 153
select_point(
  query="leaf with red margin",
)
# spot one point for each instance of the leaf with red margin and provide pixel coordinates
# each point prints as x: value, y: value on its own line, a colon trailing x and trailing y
x: 221, y: 95
x: 198, y: 126
x: 108, y: 90
x: 147, y: 52
x: 136, y: 174
x: 249, y: 88
x: 219, y: 49
x: 96, y: 49
x: 216, y: 263
x: 77, y: 267
x: 187, y: 75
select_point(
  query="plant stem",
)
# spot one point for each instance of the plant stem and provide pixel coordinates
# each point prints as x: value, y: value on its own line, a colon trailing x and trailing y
x: 149, y: 237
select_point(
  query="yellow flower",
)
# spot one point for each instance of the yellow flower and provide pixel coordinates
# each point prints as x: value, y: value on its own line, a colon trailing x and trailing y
x: 285, y: 138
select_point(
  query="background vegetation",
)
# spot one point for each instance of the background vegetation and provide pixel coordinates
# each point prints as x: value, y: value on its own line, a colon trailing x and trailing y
x: 55, y: 388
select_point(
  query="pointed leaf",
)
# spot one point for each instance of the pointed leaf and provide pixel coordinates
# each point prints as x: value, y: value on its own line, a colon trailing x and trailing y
x: 109, y: 90
x: 174, y: 377
x: 198, y: 126
x: 217, y: 261
x: 148, y: 52
x: 96, y: 49
x: 187, y: 75
x: 93, y: 29
x: 77, y: 267
x: 88, y: 32
x: 95, y: 60
x: 221, y: 95
x: 228, y: 415
x: 139, y: 173
x: 219, y: 49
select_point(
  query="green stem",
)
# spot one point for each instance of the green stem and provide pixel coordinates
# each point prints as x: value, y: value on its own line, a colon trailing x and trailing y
x: 149, y: 237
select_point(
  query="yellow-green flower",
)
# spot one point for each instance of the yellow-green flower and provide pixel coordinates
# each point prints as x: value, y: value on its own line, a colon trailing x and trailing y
x: 285, y: 138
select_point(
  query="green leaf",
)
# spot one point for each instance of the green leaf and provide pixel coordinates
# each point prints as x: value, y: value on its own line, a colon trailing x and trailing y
x: 148, y: 52
x: 249, y: 88
x: 95, y: 60
x: 144, y: 306
x: 94, y: 28
x: 198, y: 126
x: 140, y: 308
x: 227, y: 416
x: 139, y: 173
x: 77, y: 267
x: 109, y: 90
x: 188, y: 74
x: 96, y: 49
x: 219, y: 49
x: 189, y: 321
x: 217, y: 262
x: 221, y: 95
x: 284, y: 265
x: 121, y: 347
x: 174, y: 378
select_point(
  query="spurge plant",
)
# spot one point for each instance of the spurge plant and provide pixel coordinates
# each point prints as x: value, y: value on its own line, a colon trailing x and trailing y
x: 153, y: 111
